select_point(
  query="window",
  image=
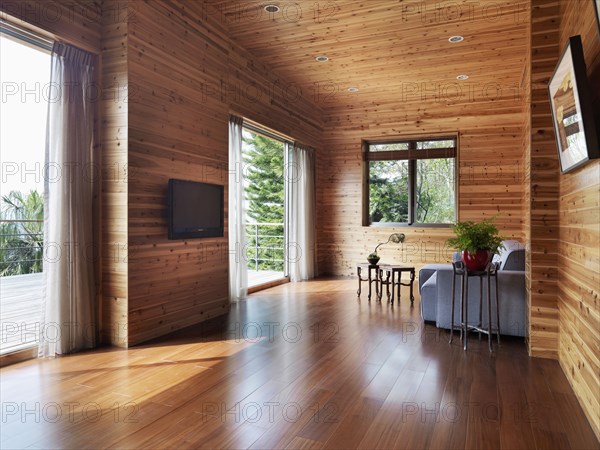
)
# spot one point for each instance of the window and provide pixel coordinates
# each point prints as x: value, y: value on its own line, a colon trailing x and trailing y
x: 410, y: 182
x: 25, y: 75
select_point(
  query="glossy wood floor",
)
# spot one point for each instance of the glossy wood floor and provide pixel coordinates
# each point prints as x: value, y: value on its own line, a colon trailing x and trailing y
x: 303, y: 365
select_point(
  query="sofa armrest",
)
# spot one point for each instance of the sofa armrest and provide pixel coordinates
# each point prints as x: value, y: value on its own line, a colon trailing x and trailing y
x: 428, y: 270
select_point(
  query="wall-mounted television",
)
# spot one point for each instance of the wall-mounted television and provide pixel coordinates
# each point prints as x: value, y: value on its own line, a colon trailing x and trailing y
x: 195, y: 210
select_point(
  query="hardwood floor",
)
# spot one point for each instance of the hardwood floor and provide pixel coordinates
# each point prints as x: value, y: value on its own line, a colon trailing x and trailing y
x: 326, y: 371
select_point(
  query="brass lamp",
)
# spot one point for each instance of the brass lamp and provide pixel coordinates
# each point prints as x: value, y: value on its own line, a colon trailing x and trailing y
x: 396, y: 238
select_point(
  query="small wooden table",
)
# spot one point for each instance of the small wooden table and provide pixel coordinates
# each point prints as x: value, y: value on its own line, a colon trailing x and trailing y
x: 373, y: 277
x: 387, y: 277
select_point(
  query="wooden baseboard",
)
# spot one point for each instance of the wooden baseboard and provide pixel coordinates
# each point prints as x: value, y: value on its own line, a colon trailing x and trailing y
x: 268, y: 285
x: 18, y: 356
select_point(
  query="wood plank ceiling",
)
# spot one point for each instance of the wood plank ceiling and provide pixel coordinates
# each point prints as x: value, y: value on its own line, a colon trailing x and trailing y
x: 383, y: 47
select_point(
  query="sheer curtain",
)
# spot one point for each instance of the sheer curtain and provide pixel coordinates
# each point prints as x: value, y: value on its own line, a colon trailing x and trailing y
x: 238, y: 270
x: 302, y: 213
x: 68, y: 312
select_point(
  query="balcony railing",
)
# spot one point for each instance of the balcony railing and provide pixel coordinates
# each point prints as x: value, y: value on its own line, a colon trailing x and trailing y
x: 21, y: 247
x: 21, y: 263
x: 266, y: 246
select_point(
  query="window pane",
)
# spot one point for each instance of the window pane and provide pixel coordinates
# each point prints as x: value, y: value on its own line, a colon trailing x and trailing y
x: 435, y: 189
x: 388, y: 191
x: 388, y: 147
x: 264, y: 190
x: 425, y: 145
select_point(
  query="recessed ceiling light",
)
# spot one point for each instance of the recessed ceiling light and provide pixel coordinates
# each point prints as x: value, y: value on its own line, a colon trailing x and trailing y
x: 322, y: 58
x: 352, y: 89
x: 456, y: 39
x: 462, y: 77
x: 272, y: 9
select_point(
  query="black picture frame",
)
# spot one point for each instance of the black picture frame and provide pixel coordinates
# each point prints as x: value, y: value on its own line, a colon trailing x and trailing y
x: 572, y: 109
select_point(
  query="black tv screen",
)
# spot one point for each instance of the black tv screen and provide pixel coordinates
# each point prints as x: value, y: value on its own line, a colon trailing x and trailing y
x: 195, y: 209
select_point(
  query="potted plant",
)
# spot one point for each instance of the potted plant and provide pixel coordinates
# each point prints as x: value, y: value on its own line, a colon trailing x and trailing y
x: 396, y: 238
x: 477, y: 241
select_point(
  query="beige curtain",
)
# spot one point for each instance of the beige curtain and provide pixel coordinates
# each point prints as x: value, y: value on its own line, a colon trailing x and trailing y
x: 301, y: 179
x: 69, y: 322
x: 238, y: 269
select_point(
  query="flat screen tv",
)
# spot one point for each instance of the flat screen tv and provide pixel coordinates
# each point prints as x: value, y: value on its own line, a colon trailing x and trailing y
x: 195, y: 209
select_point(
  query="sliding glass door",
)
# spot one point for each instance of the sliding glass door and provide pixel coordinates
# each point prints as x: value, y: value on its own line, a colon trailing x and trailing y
x: 265, y: 191
x: 25, y: 75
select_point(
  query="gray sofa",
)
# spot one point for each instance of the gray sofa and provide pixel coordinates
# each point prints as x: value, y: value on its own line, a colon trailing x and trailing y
x: 435, y: 287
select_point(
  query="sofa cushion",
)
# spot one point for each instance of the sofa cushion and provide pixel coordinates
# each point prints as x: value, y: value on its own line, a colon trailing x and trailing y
x: 512, y: 256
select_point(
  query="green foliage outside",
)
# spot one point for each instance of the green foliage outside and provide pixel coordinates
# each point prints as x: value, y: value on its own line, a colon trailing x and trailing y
x: 388, y: 191
x: 21, y: 243
x: 435, y: 196
x: 265, y: 191
x: 434, y: 187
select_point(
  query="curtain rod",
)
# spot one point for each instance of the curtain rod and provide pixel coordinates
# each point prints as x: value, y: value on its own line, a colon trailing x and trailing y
x: 17, y: 32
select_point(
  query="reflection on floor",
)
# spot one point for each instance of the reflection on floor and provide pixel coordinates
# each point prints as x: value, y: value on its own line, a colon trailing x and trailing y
x: 301, y: 365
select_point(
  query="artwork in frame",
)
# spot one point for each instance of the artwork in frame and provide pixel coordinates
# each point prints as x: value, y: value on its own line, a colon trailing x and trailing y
x: 572, y: 110
x: 597, y: 5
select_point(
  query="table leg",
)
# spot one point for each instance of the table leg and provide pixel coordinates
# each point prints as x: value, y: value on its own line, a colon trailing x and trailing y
x: 370, y: 281
x: 358, y: 271
x: 390, y: 275
x: 451, y: 308
x: 466, y: 309
x: 387, y: 285
x: 497, y: 306
x: 398, y: 283
x: 480, y: 305
x: 377, y: 283
x: 412, y: 280
x: 381, y: 284
x: 489, y: 312
x: 462, y: 312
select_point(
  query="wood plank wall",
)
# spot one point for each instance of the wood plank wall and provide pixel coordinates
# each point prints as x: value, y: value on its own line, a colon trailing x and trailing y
x: 77, y: 22
x: 490, y: 163
x: 114, y: 132
x: 526, y: 149
x: 579, y: 245
x: 170, y: 76
x: 543, y: 186
x: 185, y: 77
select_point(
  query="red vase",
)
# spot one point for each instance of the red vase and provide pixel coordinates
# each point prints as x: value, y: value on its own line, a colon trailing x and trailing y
x: 478, y: 261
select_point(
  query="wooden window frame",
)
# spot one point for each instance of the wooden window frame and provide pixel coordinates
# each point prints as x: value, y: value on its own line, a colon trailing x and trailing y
x: 412, y: 155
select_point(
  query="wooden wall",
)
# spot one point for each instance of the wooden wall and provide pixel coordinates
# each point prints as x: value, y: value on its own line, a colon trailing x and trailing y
x: 114, y: 132
x: 490, y: 163
x: 77, y: 22
x: 526, y: 151
x: 579, y: 245
x: 170, y: 77
x: 543, y: 186
x: 185, y: 76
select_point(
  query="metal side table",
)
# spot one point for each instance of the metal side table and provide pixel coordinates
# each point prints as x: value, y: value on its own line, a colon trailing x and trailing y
x: 491, y: 272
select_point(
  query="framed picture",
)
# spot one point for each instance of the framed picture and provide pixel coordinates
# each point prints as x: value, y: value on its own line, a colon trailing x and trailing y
x: 597, y: 5
x: 572, y: 111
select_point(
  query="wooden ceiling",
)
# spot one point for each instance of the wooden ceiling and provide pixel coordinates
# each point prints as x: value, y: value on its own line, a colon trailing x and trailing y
x: 390, y: 49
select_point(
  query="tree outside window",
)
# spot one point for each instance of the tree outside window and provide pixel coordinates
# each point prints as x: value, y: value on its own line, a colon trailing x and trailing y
x: 411, y: 182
